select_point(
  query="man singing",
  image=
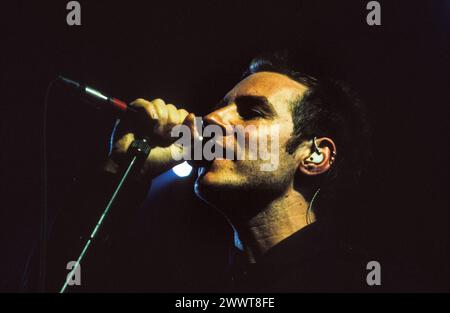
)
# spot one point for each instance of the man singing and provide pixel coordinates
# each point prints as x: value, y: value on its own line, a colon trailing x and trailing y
x: 283, y: 219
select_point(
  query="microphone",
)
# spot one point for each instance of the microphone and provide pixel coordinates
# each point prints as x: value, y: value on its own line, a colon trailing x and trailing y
x: 100, y: 100
x: 95, y: 97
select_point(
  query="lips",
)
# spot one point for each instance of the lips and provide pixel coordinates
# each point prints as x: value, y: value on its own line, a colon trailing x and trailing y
x: 218, y: 145
x: 204, y: 165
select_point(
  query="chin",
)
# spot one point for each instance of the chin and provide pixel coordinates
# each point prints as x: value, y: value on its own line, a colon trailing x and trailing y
x: 214, y: 185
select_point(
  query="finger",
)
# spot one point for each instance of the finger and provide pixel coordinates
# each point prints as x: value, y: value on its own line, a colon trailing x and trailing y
x: 182, y: 113
x: 172, y: 115
x: 146, y: 106
x: 161, y: 110
x: 121, y: 147
x: 160, y: 160
x: 193, y: 123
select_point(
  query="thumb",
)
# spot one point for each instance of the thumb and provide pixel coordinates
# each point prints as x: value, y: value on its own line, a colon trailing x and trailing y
x: 162, y: 159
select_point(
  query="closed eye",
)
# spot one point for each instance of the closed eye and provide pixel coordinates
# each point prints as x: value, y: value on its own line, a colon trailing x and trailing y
x: 248, y: 113
x: 254, y: 107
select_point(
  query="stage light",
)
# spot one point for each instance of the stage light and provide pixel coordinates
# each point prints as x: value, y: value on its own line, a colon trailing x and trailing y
x: 182, y: 170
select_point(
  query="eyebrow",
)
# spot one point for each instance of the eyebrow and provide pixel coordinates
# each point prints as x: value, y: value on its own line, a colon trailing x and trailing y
x: 259, y: 102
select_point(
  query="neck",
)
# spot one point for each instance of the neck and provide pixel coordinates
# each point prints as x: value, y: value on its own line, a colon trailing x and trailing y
x: 276, y: 221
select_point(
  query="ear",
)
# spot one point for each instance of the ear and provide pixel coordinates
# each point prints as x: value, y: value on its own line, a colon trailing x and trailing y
x: 320, y: 157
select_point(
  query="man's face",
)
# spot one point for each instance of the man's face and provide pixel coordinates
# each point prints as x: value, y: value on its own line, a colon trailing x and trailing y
x: 258, y: 103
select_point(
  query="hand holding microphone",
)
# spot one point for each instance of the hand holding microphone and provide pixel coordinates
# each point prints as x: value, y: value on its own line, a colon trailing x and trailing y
x: 154, y: 119
x: 151, y: 119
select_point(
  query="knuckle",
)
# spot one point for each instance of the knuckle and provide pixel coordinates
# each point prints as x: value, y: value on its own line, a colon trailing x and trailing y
x: 139, y: 102
x: 171, y: 110
x: 183, y: 112
x: 162, y: 112
x: 148, y: 107
x: 159, y: 102
x: 171, y: 107
x: 144, y: 105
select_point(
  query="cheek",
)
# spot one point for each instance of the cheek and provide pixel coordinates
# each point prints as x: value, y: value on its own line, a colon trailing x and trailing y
x: 257, y: 141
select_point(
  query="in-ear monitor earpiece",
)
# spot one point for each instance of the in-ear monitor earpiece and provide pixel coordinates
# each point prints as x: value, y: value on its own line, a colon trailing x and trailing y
x: 316, y: 157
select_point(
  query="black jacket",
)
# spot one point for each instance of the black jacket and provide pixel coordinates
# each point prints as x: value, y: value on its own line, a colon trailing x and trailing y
x: 314, y: 259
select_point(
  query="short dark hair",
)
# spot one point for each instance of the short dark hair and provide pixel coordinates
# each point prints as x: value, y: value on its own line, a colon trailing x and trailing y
x: 329, y: 108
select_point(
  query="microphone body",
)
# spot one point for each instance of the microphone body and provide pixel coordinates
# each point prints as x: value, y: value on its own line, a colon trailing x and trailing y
x: 96, y: 97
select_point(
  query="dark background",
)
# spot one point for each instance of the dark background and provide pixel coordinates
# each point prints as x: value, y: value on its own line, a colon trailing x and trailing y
x: 191, y: 53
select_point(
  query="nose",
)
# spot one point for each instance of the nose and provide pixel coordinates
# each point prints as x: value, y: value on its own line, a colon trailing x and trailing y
x: 220, y: 117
